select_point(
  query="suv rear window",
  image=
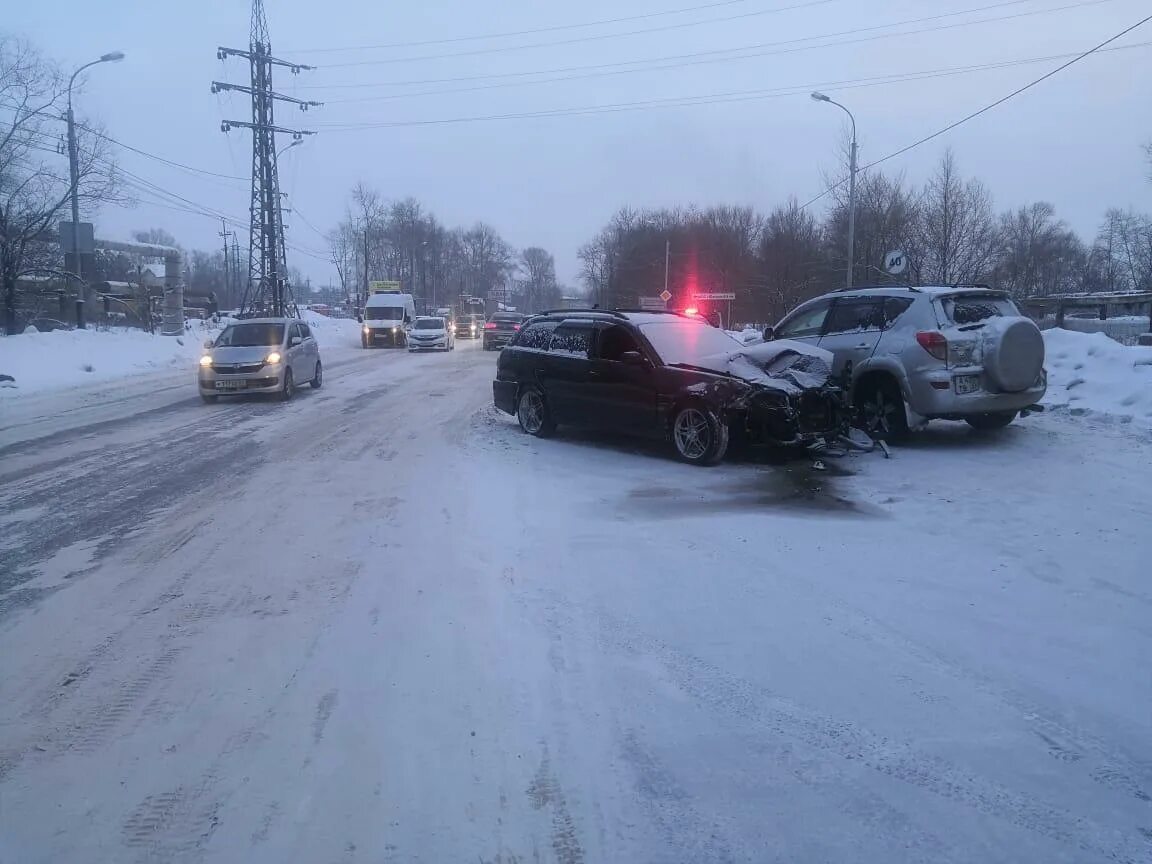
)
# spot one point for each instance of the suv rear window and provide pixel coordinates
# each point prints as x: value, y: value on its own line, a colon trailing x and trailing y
x: 575, y: 340
x: 536, y: 336
x: 973, y: 309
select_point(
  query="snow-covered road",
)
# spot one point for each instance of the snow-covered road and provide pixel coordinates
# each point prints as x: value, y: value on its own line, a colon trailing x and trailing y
x: 379, y: 624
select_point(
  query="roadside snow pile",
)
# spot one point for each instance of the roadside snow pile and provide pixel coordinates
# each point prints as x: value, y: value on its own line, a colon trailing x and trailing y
x: 1089, y: 373
x: 332, y: 332
x: 71, y: 358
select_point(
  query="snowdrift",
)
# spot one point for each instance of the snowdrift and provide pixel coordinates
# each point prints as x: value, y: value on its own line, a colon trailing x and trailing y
x: 1089, y: 373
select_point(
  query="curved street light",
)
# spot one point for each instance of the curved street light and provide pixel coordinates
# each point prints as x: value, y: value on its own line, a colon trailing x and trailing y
x: 820, y: 97
x: 74, y: 179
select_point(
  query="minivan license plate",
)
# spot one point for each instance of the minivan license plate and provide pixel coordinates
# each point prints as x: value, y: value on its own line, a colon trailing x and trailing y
x: 231, y: 385
x: 966, y: 383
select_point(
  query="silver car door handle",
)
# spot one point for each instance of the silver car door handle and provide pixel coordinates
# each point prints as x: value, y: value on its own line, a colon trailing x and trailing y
x: 862, y: 347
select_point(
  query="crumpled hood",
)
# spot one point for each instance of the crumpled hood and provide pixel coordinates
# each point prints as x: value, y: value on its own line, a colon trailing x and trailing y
x: 246, y: 355
x: 781, y: 364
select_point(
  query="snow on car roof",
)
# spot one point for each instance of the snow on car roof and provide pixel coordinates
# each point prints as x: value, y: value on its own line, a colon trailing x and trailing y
x: 885, y: 290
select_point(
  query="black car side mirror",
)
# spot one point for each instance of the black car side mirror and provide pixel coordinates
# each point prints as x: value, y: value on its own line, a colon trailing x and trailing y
x: 359, y: 319
x: 633, y: 358
x: 769, y: 334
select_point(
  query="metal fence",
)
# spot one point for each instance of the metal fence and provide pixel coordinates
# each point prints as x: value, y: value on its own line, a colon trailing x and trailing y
x: 1126, y: 330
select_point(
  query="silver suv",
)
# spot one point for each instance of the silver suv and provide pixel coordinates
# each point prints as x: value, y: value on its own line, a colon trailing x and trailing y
x: 260, y: 355
x: 941, y: 353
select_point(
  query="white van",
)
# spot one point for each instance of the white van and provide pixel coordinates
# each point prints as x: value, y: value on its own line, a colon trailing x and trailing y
x: 387, y: 319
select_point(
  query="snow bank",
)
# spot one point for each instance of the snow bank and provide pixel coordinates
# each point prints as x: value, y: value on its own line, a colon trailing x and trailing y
x: 72, y: 358
x: 337, y: 333
x: 1089, y: 373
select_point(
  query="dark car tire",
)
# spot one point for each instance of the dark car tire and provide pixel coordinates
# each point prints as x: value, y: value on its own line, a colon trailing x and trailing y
x: 880, y: 407
x: 991, y: 421
x: 289, y: 388
x: 699, y: 437
x: 318, y: 378
x: 532, y: 413
x: 210, y: 398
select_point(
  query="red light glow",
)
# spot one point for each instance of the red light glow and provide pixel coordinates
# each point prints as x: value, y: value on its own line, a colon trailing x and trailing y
x: 691, y: 310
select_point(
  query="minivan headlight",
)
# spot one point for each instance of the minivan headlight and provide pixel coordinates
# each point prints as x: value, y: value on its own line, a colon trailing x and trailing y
x: 206, y: 360
x: 273, y: 357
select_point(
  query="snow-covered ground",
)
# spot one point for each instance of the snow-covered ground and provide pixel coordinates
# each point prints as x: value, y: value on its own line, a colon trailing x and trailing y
x: 68, y: 359
x: 1089, y: 373
x: 379, y: 623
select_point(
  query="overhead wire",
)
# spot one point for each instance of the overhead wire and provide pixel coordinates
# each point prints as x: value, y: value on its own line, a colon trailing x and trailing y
x: 554, y: 28
x: 972, y: 116
x: 697, y: 58
x: 599, y: 37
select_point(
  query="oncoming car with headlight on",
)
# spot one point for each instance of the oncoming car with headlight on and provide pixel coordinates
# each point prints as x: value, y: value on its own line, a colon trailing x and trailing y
x: 260, y: 355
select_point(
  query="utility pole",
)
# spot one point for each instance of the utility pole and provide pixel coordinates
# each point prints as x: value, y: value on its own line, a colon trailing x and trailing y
x: 667, y: 260
x: 820, y: 97
x: 267, y: 291
x: 225, y: 233
x: 364, y: 297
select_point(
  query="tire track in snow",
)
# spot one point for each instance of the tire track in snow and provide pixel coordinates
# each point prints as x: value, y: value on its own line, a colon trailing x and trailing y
x: 544, y: 792
x: 738, y: 698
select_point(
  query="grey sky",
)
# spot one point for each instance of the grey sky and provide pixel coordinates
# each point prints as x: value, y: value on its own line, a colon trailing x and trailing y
x: 1075, y: 140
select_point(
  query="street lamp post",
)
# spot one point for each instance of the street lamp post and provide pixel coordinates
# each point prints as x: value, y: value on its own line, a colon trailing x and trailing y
x: 820, y: 97
x: 74, y: 179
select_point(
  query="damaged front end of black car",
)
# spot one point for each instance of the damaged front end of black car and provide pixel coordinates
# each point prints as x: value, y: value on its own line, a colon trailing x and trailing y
x: 788, y: 397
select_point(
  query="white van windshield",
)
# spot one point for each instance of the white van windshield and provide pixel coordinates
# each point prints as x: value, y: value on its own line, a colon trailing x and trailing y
x: 384, y: 313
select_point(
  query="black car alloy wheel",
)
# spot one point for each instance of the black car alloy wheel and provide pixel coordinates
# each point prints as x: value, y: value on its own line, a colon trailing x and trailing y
x: 699, y: 436
x: 533, y: 414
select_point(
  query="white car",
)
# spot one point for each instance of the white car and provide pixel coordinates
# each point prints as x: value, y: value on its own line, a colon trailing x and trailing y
x: 431, y: 333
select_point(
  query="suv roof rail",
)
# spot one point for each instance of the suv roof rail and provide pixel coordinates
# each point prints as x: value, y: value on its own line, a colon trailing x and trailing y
x: 983, y: 285
x: 584, y: 311
x: 656, y: 312
x: 867, y: 287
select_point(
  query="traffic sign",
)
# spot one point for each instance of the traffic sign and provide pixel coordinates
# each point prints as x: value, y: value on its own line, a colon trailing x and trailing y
x: 384, y: 287
x: 716, y: 295
x: 895, y: 263
x: 653, y: 304
x: 665, y: 295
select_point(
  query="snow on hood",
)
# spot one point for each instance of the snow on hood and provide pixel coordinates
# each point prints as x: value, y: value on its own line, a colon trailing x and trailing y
x: 781, y: 364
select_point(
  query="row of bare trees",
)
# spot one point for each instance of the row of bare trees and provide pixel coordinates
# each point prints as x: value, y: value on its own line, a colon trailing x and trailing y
x: 948, y: 230
x: 401, y: 241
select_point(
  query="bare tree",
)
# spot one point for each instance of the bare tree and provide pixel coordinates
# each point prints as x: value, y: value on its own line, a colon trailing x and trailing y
x: 956, y: 240
x: 539, y: 269
x: 154, y: 237
x: 1038, y: 254
x: 793, y: 266
x: 34, y: 184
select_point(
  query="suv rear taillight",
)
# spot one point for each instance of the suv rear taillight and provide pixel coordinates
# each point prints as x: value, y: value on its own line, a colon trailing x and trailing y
x: 491, y: 325
x: 935, y: 343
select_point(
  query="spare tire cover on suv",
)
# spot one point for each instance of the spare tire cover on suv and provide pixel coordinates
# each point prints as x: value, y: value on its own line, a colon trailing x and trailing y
x: 1013, y: 353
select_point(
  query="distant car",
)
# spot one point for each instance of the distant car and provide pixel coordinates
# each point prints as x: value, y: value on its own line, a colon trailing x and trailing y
x: 953, y: 353
x: 469, y: 326
x: 666, y: 376
x: 500, y: 329
x: 260, y: 355
x: 431, y: 333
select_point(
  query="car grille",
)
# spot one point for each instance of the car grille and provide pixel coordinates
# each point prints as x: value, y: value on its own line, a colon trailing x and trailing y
x: 237, y: 369
x: 817, y: 412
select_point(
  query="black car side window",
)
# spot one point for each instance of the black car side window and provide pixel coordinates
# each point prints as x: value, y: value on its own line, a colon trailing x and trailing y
x: 536, y: 336
x: 614, y: 341
x: 575, y: 341
x: 808, y: 322
x: 855, y: 315
x: 893, y: 308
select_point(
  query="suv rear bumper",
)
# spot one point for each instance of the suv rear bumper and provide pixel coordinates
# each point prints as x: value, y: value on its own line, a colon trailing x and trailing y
x: 504, y: 395
x: 945, y: 403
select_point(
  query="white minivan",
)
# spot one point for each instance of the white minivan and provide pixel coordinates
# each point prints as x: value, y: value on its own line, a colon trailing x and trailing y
x: 387, y: 318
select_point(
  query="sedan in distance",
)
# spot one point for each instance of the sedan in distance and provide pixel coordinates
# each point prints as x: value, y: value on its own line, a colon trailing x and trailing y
x: 431, y: 333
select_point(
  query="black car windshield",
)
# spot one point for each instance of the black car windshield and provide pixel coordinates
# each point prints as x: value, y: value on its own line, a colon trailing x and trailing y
x: 688, y: 342
x: 251, y: 335
x: 429, y: 323
x: 384, y: 313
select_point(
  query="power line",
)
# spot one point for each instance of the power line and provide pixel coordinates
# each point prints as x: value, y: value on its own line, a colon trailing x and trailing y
x: 675, y: 61
x: 688, y: 101
x: 533, y: 45
x: 599, y: 37
x: 986, y: 108
x: 821, y: 84
x: 507, y: 33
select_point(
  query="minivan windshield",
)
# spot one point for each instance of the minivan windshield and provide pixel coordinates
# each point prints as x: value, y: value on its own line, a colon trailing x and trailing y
x: 384, y: 313
x: 429, y: 323
x: 251, y: 335
x: 688, y: 342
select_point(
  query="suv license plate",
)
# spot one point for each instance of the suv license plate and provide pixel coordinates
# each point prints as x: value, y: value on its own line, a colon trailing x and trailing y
x: 966, y: 384
x: 231, y: 385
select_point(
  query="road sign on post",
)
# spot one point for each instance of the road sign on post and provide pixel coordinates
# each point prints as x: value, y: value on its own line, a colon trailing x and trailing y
x: 895, y: 263
x: 384, y: 287
x: 665, y: 295
x: 716, y: 295
x: 653, y: 304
